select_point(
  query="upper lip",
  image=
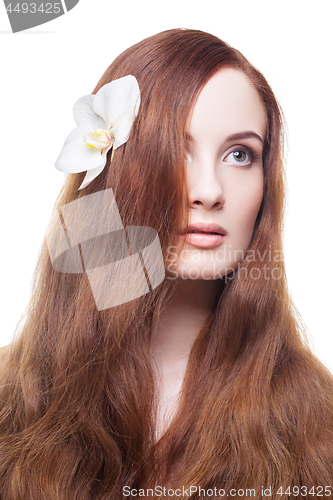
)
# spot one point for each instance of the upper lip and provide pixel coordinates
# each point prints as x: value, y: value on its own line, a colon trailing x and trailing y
x: 206, y: 227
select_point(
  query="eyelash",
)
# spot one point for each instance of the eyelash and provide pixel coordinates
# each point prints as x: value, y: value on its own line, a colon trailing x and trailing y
x: 253, y: 156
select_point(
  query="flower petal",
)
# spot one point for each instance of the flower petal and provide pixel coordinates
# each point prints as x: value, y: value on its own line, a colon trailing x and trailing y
x: 117, y: 98
x: 121, y: 129
x: 76, y: 156
x: 90, y: 176
x: 83, y: 112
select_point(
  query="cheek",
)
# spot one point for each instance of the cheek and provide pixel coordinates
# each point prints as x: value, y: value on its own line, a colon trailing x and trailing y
x: 252, y: 203
x: 245, y: 207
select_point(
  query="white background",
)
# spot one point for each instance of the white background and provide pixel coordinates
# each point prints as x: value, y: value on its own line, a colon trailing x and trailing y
x: 46, y: 69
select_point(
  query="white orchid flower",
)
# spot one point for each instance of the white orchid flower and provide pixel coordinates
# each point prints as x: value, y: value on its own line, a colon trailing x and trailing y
x: 104, y: 121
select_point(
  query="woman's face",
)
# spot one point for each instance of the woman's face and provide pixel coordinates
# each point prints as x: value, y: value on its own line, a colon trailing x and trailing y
x: 226, y: 132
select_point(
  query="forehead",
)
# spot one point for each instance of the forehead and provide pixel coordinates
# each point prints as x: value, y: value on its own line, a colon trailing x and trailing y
x: 227, y: 104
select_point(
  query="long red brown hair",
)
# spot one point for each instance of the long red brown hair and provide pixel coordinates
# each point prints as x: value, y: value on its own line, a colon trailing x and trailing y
x: 77, y: 389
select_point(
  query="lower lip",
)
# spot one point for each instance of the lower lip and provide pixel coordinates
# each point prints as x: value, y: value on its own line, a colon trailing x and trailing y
x: 203, y: 240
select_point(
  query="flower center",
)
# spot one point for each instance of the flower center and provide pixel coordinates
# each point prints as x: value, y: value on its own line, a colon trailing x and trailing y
x: 100, y: 139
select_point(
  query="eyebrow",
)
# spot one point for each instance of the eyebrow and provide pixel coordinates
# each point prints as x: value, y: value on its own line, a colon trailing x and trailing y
x: 235, y: 137
x: 244, y: 135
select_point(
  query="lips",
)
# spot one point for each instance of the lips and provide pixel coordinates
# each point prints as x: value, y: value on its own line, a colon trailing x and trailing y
x: 205, y: 235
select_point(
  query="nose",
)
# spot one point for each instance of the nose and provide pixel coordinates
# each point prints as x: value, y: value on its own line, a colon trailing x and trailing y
x: 205, y: 188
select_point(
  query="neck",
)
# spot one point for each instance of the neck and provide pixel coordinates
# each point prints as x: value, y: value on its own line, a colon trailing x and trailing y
x: 173, y: 335
x: 185, y: 313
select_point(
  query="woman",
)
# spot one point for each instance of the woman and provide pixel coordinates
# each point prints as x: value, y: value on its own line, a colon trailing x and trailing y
x: 203, y: 386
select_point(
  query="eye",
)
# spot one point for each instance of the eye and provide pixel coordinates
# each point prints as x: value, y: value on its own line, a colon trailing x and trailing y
x: 239, y: 157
